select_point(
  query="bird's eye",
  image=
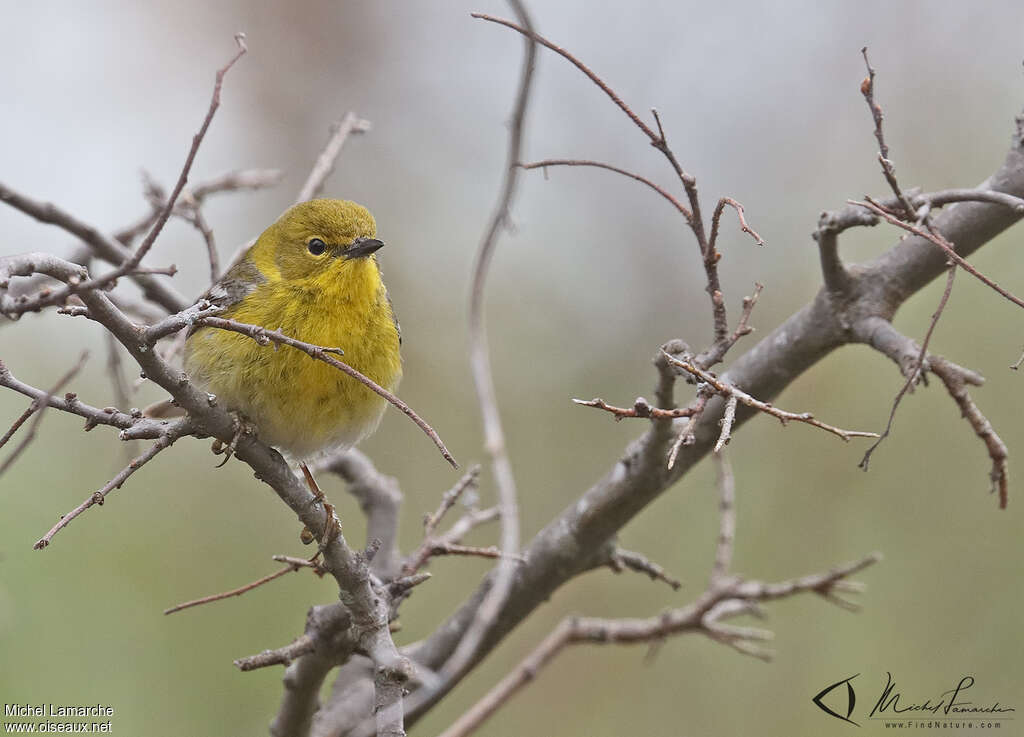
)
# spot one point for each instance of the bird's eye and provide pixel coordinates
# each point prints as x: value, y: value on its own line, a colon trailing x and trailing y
x: 316, y: 246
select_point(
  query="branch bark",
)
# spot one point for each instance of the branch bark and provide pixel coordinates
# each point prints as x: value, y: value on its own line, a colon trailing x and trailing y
x: 570, y: 543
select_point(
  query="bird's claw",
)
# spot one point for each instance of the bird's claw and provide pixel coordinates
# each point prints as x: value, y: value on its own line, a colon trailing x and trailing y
x: 239, y: 426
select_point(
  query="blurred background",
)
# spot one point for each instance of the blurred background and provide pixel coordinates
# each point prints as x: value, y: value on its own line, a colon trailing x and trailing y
x: 761, y: 103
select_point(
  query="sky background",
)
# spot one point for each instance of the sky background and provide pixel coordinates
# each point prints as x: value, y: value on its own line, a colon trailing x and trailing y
x: 761, y: 103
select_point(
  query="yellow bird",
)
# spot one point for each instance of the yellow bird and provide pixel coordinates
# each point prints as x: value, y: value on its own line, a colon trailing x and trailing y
x: 313, y: 274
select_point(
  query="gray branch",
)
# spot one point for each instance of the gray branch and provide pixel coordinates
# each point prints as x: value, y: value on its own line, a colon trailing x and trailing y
x: 380, y: 499
x: 568, y: 545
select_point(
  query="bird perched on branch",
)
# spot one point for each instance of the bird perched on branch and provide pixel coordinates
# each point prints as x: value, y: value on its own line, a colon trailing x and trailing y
x: 312, y: 275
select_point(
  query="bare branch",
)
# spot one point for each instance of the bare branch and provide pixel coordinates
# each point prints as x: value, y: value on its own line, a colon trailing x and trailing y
x: 659, y: 141
x: 239, y: 180
x: 292, y: 566
x: 468, y: 522
x: 664, y: 390
x: 483, y: 380
x: 349, y: 125
x: 470, y: 480
x: 133, y: 262
x: 915, y: 371
x: 328, y: 628
x: 380, y: 499
x: 623, y: 559
x: 572, y: 542
x: 942, y: 243
x: 723, y: 387
x: 195, y: 217
x: 75, y: 283
x: 913, y: 360
x: 544, y: 164
x: 450, y: 542
x: 98, y: 496
x: 728, y: 417
x: 641, y: 408
x: 830, y: 224
x: 726, y: 519
x: 281, y: 656
x: 716, y: 217
x: 107, y: 248
x: 702, y: 616
x: 526, y: 29
x: 115, y: 372
x: 688, y: 435
x: 132, y: 426
x: 956, y: 381
x: 867, y: 88
x: 103, y: 246
x: 949, y: 196
x: 38, y: 407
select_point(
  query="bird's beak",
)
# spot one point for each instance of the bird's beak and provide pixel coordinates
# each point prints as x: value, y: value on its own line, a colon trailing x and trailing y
x: 361, y: 248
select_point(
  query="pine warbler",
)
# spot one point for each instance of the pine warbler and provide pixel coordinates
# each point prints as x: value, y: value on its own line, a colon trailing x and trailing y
x: 314, y: 275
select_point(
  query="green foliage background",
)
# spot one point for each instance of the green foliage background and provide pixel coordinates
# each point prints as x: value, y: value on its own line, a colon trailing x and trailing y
x: 762, y: 104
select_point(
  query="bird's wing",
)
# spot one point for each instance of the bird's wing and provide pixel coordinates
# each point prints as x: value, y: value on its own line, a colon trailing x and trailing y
x: 238, y: 282
x: 394, y: 317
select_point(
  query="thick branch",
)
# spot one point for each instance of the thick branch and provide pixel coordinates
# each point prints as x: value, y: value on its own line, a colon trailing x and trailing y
x: 703, y: 616
x: 567, y: 545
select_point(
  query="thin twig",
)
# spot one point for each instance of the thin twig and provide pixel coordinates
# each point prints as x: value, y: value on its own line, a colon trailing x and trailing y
x: 527, y: 30
x: 483, y: 379
x: 783, y: 416
x: 622, y: 559
x: 349, y: 125
x: 728, y: 417
x: 915, y: 371
x: 544, y: 164
x: 132, y: 263
x: 956, y: 382
x: 100, y: 495
x: 292, y: 566
x: 949, y: 196
x: 659, y: 141
x: 47, y: 296
x: 726, y: 518
x: 717, y: 350
x: 115, y: 372
x: 716, y: 217
x: 281, y: 656
x: 942, y: 243
x: 233, y: 181
x: 449, y: 543
x: 703, y: 616
x: 38, y: 407
x: 867, y: 88
x: 687, y: 436
x: 132, y: 426
x: 195, y: 217
x: 641, y: 408
x: 448, y: 499
x: 105, y: 247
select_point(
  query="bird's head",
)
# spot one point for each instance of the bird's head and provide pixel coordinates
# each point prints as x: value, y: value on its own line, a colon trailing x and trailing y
x: 319, y: 238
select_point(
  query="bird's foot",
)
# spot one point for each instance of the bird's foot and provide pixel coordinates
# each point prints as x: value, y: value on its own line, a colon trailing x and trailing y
x: 332, y: 528
x: 240, y: 426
